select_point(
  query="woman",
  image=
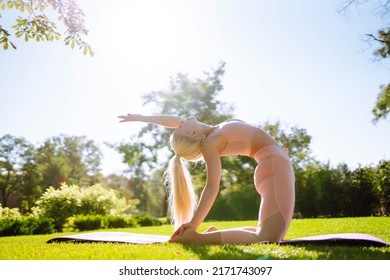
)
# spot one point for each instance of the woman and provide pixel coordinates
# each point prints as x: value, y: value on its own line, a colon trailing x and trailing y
x: 274, y: 178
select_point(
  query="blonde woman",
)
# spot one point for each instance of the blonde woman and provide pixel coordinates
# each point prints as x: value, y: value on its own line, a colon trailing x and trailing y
x: 274, y: 178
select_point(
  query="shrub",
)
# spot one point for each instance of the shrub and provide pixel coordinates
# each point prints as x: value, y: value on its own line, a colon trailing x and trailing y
x: 120, y: 222
x: 90, y: 222
x: 7, y: 213
x: 58, y: 204
x: 26, y: 226
x: 61, y: 204
x: 10, y: 227
x: 145, y: 220
x: 115, y: 222
x: 97, y: 200
x: 41, y: 225
x: 131, y: 222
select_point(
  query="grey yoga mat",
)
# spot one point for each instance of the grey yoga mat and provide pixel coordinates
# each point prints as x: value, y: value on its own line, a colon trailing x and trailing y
x: 342, y: 239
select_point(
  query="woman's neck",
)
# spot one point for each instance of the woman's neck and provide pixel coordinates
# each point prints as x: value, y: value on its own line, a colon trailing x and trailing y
x: 207, y: 129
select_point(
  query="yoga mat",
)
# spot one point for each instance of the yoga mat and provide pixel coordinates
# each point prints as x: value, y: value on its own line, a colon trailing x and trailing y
x: 343, y: 239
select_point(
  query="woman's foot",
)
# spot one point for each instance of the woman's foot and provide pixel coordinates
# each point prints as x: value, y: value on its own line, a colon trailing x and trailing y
x: 211, y: 229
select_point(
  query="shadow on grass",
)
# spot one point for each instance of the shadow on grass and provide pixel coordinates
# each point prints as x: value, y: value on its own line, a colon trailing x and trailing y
x: 349, y: 252
x: 226, y: 252
x: 288, y: 252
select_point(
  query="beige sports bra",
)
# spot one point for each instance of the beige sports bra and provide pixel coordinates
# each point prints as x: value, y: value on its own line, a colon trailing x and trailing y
x: 238, y: 135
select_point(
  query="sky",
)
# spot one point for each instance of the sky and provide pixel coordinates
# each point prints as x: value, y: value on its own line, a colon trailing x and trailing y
x: 299, y: 62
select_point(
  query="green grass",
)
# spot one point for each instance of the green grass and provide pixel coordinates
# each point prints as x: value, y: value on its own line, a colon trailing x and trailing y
x: 35, y: 247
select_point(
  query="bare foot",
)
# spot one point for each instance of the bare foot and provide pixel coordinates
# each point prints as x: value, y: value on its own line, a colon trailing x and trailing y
x: 211, y: 229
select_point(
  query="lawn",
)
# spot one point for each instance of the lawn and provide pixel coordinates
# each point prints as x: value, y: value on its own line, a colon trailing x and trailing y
x: 35, y: 247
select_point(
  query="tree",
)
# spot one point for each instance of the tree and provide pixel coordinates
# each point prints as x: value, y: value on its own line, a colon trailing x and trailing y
x: 295, y: 139
x: 70, y: 159
x: 17, y: 168
x: 382, y: 7
x: 34, y: 22
x: 148, y: 152
x: 383, y: 174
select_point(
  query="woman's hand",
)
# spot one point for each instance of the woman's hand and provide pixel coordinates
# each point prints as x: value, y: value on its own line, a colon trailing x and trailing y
x: 130, y: 118
x: 188, y: 236
x: 181, y: 229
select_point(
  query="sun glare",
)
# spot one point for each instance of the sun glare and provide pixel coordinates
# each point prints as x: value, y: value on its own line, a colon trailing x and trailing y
x: 145, y: 39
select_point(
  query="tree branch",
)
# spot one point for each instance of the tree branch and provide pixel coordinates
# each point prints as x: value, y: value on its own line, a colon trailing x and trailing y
x: 377, y: 39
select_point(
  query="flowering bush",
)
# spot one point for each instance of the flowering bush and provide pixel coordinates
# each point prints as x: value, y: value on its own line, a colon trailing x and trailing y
x: 68, y: 201
x: 7, y: 213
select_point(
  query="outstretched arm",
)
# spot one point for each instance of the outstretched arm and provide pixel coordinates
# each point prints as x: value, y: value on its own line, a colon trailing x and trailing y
x: 167, y: 121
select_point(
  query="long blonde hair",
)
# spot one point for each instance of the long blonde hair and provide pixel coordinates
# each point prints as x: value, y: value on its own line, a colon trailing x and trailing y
x: 182, y: 198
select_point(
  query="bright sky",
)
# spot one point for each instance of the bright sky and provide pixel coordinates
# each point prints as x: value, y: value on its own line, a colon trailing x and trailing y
x: 299, y: 62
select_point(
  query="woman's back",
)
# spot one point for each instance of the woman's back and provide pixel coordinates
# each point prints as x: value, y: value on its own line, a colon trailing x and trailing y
x: 241, y: 138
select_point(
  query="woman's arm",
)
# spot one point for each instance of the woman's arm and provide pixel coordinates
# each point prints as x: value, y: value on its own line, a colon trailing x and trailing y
x: 209, y: 194
x: 211, y: 189
x: 167, y: 121
x: 212, y: 159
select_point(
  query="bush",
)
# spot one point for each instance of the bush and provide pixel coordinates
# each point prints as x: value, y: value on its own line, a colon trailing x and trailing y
x: 90, y: 222
x: 7, y: 213
x: 145, y: 220
x: 120, y: 222
x: 61, y: 204
x: 58, y: 204
x: 115, y: 222
x: 12, y: 227
x: 26, y: 226
x: 40, y: 225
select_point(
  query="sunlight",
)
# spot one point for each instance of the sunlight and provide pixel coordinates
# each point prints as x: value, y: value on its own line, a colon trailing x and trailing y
x: 146, y: 40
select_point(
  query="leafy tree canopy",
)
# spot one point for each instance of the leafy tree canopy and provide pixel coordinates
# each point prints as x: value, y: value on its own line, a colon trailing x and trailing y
x: 34, y: 22
x: 381, y: 8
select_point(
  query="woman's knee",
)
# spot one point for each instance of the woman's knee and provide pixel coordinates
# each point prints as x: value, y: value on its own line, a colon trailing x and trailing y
x: 273, y: 228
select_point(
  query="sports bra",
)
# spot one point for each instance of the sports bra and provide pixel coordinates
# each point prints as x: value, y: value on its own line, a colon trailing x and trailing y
x: 238, y: 135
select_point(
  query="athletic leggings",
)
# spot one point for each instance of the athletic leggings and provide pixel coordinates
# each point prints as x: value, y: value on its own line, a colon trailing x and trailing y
x: 275, y: 182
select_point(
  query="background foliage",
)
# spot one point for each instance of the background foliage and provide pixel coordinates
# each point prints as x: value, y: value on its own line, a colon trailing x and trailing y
x: 60, y: 178
x: 67, y: 201
x: 37, y: 20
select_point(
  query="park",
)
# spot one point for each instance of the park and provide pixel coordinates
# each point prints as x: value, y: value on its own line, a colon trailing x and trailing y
x: 55, y: 146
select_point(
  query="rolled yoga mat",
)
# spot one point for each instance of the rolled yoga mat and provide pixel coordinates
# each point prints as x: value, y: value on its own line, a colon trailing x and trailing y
x: 341, y: 239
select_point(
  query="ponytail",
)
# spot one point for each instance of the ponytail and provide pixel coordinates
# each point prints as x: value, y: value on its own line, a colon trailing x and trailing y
x: 182, y: 198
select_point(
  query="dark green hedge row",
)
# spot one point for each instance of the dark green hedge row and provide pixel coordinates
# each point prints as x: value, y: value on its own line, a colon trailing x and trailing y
x: 92, y: 222
x: 26, y: 226
x: 31, y: 225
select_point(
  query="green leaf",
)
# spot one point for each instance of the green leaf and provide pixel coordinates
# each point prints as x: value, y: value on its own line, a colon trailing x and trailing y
x: 5, y: 45
x: 91, y: 52
x: 29, y: 10
x: 2, y: 6
x: 10, y: 4
x: 12, y: 44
